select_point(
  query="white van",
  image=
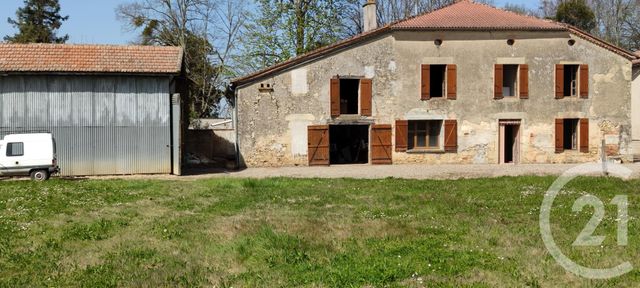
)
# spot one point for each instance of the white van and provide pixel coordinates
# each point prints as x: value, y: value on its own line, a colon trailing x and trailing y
x: 28, y: 155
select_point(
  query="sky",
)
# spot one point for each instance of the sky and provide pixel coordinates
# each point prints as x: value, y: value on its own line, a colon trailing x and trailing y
x: 94, y: 21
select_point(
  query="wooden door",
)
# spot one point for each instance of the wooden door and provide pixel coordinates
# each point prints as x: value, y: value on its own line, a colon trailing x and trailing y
x: 381, y: 145
x: 318, y: 145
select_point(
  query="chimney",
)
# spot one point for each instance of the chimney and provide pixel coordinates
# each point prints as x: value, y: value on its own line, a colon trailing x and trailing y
x: 370, y: 16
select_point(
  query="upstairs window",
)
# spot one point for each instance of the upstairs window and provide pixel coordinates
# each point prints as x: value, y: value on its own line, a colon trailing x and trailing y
x: 438, y: 81
x: 572, y: 81
x: 15, y: 149
x: 351, y: 96
x: 511, y: 80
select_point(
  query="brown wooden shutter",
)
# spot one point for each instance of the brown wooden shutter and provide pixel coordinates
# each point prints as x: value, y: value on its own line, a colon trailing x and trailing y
x: 559, y: 135
x: 365, y: 97
x: 452, y: 81
x: 524, y: 81
x: 335, y: 97
x: 318, y: 145
x: 559, y: 81
x: 451, y: 136
x: 584, y: 135
x: 425, y: 76
x: 584, y: 81
x: 402, y: 137
x: 497, y: 82
x: 381, y: 144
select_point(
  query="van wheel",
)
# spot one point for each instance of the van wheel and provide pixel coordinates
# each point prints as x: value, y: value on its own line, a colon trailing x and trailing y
x: 39, y: 175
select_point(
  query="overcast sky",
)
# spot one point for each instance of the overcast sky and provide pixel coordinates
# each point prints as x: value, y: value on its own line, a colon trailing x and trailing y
x: 94, y: 21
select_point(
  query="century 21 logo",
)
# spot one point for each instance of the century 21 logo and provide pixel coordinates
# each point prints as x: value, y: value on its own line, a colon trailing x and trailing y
x: 586, y: 237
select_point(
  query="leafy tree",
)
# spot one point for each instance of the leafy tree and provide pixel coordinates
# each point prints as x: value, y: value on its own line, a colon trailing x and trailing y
x: 37, y: 22
x: 576, y: 13
x: 282, y: 29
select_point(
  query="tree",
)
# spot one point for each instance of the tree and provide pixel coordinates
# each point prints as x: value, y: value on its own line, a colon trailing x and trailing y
x: 576, y: 13
x: 37, y: 22
x: 207, y: 31
x: 282, y: 29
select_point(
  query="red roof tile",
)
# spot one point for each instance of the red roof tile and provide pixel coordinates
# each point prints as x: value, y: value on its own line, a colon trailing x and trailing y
x: 90, y: 58
x: 469, y: 15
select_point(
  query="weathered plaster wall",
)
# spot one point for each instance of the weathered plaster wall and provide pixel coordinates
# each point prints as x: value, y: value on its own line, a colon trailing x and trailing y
x: 272, y: 125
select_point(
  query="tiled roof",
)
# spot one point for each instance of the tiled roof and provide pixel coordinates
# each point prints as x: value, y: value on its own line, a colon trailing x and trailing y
x: 462, y: 15
x: 64, y: 58
x: 469, y: 15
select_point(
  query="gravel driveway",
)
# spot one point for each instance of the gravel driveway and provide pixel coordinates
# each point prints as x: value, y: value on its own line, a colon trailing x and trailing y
x: 377, y: 172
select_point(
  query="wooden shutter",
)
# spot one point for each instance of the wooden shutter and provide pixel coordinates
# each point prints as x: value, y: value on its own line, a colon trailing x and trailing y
x: 318, y: 145
x: 451, y: 136
x: 524, y: 81
x: 559, y: 135
x: 365, y: 97
x: 584, y: 135
x: 497, y: 82
x: 584, y: 81
x: 402, y: 137
x: 381, y: 144
x: 335, y: 97
x: 425, y: 76
x: 452, y: 81
x: 559, y: 81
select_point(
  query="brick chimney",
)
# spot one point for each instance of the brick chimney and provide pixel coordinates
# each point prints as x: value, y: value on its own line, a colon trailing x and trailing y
x: 370, y: 16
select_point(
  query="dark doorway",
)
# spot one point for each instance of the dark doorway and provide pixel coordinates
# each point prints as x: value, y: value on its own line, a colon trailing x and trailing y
x: 570, y: 134
x: 510, y: 141
x: 349, y: 90
x: 349, y: 144
x: 510, y: 133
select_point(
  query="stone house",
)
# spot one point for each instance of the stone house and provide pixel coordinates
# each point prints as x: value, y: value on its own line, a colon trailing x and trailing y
x: 468, y: 83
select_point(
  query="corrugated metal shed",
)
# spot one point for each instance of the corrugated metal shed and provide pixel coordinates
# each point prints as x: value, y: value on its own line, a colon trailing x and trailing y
x: 103, y: 124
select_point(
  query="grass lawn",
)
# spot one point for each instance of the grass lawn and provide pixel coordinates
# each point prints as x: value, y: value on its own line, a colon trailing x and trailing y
x: 303, y: 232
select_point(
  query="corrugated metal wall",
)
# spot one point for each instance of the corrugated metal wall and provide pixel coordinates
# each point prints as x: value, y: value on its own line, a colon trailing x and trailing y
x: 103, y: 125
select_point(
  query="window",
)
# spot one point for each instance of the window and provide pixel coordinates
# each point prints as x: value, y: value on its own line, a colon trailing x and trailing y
x: 15, y: 149
x: 351, y: 96
x: 437, y: 80
x: 570, y: 85
x: 510, y: 80
x: 570, y: 134
x: 572, y: 80
x: 349, y: 89
x: 425, y: 134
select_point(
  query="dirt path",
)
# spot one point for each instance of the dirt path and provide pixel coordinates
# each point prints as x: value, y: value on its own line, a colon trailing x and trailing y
x: 378, y: 172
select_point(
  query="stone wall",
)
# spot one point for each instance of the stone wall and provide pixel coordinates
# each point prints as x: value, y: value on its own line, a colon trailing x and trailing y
x: 272, y: 125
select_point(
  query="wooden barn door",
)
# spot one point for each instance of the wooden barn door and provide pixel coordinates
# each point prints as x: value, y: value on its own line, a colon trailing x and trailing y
x: 318, y: 145
x: 381, y: 145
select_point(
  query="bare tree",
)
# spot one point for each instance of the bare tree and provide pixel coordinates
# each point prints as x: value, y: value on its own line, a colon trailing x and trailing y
x: 206, y: 29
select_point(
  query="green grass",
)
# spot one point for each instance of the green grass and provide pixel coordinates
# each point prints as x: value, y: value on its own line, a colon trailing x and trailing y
x: 303, y: 233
